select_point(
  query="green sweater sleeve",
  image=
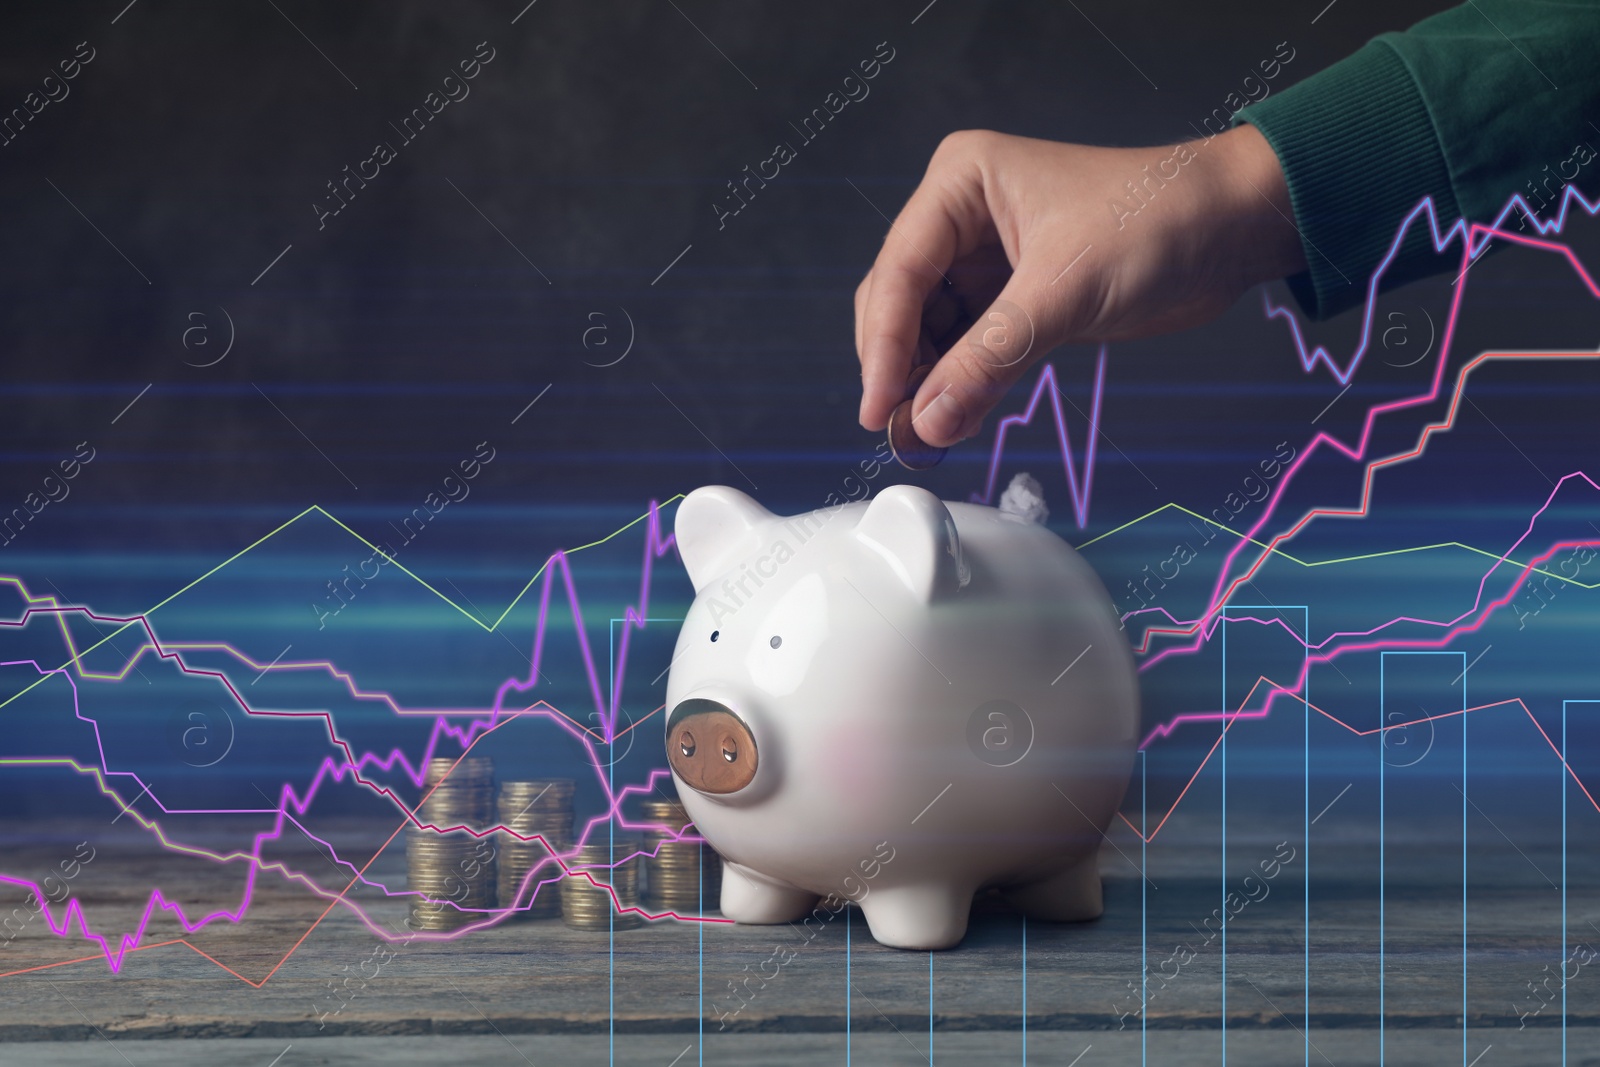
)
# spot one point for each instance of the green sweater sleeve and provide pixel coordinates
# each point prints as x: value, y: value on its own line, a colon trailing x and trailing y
x: 1468, y: 107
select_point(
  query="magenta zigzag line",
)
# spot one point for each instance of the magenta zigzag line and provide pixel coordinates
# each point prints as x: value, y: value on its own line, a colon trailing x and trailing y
x: 1079, y: 491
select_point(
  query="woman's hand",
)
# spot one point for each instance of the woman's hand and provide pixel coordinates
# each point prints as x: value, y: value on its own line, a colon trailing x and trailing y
x: 1011, y: 246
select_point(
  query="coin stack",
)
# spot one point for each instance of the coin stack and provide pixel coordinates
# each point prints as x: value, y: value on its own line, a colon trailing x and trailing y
x: 610, y: 861
x: 540, y: 807
x: 682, y: 875
x: 455, y: 871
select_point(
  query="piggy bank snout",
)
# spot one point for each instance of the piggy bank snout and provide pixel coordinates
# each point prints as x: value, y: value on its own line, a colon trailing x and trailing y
x: 710, y: 747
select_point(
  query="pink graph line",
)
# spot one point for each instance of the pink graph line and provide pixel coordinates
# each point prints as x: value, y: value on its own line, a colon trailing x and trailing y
x: 1211, y: 624
x: 1370, y: 646
x: 1358, y: 451
x: 1264, y: 680
x: 656, y: 544
x: 492, y: 916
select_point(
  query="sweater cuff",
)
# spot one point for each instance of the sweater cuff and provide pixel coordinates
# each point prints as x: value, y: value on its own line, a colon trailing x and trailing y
x: 1359, y: 150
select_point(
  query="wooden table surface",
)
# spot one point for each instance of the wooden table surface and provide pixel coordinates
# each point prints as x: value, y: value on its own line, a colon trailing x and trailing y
x: 539, y: 992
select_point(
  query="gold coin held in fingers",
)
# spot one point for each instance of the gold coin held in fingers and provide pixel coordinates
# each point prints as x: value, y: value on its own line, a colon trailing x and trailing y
x: 912, y: 452
x: 919, y: 374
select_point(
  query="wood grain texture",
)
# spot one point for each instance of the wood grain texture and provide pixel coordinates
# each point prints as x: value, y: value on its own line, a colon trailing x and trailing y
x: 644, y: 987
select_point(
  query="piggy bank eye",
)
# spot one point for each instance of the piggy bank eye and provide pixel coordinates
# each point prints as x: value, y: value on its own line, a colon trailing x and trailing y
x: 715, y: 634
x: 686, y: 744
x: 775, y: 642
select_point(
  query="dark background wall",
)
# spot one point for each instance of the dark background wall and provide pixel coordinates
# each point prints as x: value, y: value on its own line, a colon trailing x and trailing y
x: 594, y: 145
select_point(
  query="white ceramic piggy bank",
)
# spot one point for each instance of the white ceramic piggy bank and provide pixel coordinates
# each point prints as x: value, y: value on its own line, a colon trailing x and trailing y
x: 902, y: 703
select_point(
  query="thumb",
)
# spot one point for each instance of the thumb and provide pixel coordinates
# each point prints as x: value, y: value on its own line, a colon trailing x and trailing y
x: 1009, y: 336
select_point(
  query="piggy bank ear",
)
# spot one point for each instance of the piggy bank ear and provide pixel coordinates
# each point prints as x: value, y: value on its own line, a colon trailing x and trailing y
x: 912, y: 532
x: 714, y: 528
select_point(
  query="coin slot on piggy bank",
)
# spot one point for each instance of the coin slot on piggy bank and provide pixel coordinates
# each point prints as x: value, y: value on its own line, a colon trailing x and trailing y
x: 710, y: 748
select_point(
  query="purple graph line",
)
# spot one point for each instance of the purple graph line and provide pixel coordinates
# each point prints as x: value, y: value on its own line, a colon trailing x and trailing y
x: 1079, y: 488
x: 1311, y: 356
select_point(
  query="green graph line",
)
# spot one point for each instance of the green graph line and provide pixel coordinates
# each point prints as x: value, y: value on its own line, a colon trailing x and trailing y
x: 1499, y: 557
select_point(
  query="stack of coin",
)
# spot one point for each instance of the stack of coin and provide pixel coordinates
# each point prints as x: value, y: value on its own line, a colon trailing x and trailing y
x: 682, y: 875
x: 541, y: 807
x: 610, y: 861
x: 454, y: 871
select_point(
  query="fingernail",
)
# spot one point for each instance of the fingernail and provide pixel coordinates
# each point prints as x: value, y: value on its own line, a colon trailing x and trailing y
x: 940, y: 422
